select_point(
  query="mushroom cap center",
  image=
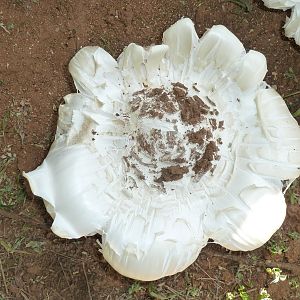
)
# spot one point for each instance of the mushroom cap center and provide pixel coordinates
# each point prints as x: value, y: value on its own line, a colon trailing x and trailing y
x: 175, y: 134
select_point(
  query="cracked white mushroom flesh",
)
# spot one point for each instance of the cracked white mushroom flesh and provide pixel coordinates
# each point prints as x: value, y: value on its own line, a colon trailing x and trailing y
x: 167, y: 147
x: 292, y: 24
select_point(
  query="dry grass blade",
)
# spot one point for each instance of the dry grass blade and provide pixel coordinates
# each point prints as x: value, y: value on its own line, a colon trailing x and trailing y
x: 212, y: 278
x: 87, y: 282
x: 3, y: 277
x: 174, y: 292
x: 4, y: 28
x: 291, y: 95
x: 267, y: 263
x: 65, y: 275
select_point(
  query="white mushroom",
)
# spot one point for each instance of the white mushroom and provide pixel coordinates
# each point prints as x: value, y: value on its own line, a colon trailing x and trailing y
x: 167, y: 147
x: 292, y: 24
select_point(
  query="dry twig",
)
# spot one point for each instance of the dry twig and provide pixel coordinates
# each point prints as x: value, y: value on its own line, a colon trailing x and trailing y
x: 212, y: 278
x: 291, y: 95
x: 3, y: 277
x: 87, y: 282
x: 266, y: 263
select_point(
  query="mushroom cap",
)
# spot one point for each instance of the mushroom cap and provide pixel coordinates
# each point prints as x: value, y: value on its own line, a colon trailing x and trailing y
x: 150, y: 231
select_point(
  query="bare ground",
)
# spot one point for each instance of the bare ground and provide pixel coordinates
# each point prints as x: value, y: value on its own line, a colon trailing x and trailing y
x: 37, y: 40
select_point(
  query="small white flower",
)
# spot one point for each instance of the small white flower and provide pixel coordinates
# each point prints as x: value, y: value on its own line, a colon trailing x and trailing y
x: 167, y: 147
x: 276, y: 273
x: 264, y: 295
x: 292, y: 24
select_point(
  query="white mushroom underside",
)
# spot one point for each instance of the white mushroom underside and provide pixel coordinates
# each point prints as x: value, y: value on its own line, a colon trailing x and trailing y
x: 147, y: 233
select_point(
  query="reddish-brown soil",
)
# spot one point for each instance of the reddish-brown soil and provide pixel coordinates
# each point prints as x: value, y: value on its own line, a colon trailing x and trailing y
x: 43, y: 36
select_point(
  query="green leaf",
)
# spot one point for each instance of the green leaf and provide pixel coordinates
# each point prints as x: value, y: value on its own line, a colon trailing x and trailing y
x: 296, y: 113
x: 246, y: 5
x: 36, y: 246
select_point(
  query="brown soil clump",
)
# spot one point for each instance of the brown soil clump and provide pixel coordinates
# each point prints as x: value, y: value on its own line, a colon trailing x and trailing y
x: 192, y: 111
x: 204, y: 164
x: 172, y: 173
x: 179, y: 90
x: 213, y: 123
x: 144, y: 145
x: 155, y: 102
x: 197, y: 137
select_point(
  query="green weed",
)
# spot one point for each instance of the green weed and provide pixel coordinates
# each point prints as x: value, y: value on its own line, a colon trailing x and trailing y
x: 12, y: 247
x: 293, y: 193
x: 245, y: 5
x: 290, y: 74
x: 193, y: 292
x: 241, y: 293
x: 135, y: 288
x: 294, y: 235
x: 36, y: 246
x: 277, y: 247
x: 11, y: 191
x: 296, y: 113
x: 294, y: 283
x: 264, y: 295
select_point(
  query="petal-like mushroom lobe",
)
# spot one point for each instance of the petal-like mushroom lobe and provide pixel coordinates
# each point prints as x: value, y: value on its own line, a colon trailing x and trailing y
x: 280, y: 158
x: 181, y: 39
x: 220, y: 47
x: 142, y: 67
x: 280, y: 4
x: 95, y: 73
x: 252, y: 70
x: 292, y: 25
x: 72, y: 182
x: 251, y: 223
x: 148, y: 250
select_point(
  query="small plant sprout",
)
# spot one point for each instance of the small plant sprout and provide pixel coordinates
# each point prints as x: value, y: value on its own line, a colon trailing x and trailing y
x: 36, y: 246
x: 276, y: 274
x: 277, y: 247
x: 167, y: 147
x: 290, y: 74
x: 245, y: 5
x: 12, y: 247
x: 192, y: 292
x: 296, y: 113
x: 294, y: 191
x: 135, y: 288
x: 241, y: 293
x: 264, y: 295
x: 294, y: 235
x: 294, y: 283
x: 231, y: 295
x: 10, y: 26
